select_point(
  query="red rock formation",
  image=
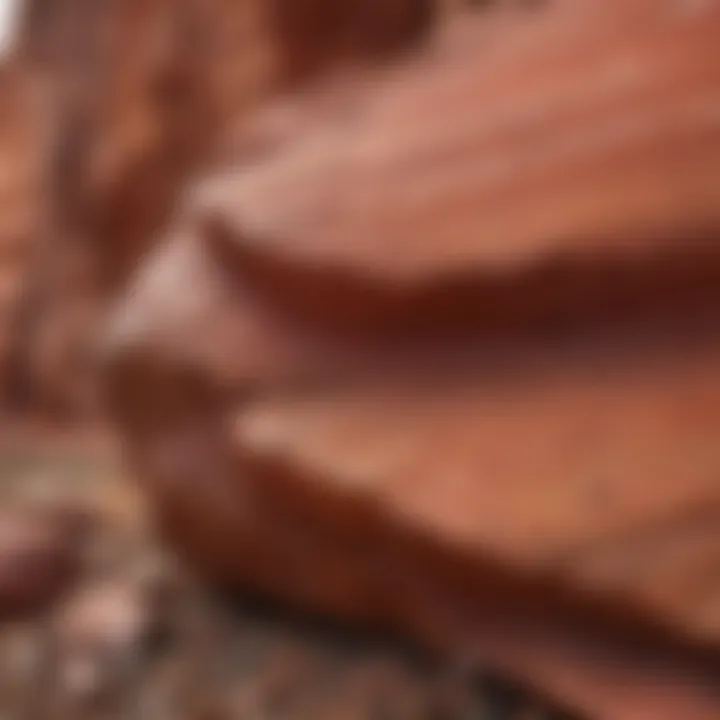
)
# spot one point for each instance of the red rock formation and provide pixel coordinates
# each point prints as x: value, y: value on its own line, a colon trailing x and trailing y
x: 19, y: 198
x: 441, y: 183
x: 447, y: 363
x: 433, y: 345
x: 134, y: 96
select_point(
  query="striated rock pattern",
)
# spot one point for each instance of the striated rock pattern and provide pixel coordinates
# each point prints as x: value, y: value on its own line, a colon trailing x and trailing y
x: 416, y: 320
x: 126, y: 113
x: 134, y: 94
x: 435, y: 351
x: 20, y: 164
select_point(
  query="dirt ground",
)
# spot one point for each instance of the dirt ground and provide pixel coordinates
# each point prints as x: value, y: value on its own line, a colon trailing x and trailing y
x: 139, y: 638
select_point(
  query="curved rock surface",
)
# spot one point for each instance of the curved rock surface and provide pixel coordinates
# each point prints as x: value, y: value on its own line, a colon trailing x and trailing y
x: 19, y: 198
x: 425, y: 342
x: 438, y: 354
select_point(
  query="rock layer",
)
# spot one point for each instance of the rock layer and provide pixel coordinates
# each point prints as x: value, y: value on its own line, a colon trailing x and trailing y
x: 431, y: 345
x: 133, y: 97
x: 448, y: 361
x: 19, y: 197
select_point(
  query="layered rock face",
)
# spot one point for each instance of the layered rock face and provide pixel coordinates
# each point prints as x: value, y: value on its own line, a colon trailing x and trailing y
x: 436, y: 348
x: 19, y: 198
x: 417, y: 316
x: 126, y: 107
x: 133, y: 95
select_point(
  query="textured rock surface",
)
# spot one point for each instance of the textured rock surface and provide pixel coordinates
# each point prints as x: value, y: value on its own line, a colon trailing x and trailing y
x: 128, y: 108
x: 432, y: 348
x: 598, y: 473
x: 138, y: 632
x: 134, y: 96
x: 498, y: 488
x: 549, y: 175
x: 535, y: 497
x: 19, y: 197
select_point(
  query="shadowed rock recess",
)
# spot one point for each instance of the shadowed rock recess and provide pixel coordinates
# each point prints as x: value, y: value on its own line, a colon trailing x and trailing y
x: 414, y: 317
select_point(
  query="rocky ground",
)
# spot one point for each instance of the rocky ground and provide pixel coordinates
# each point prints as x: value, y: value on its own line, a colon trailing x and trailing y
x: 138, y: 637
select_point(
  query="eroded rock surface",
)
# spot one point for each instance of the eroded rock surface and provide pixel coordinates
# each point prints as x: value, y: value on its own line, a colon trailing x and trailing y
x: 20, y: 168
x: 132, y: 97
x: 416, y: 323
x: 447, y: 364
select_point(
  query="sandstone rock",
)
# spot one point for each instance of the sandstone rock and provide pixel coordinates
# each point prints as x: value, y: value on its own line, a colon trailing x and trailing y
x: 606, y: 678
x: 315, y: 34
x: 562, y: 466
x: 478, y: 180
x: 19, y: 196
x: 141, y: 90
x: 538, y: 497
x: 395, y: 511
x: 131, y: 94
x: 135, y: 94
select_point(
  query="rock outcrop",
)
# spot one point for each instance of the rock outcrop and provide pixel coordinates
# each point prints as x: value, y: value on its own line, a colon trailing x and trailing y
x: 447, y: 363
x: 414, y: 313
x: 133, y: 96
x: 19, y: 198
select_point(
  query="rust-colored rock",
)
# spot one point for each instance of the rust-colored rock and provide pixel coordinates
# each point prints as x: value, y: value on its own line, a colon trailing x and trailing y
x: 593, y: 469
x: 134, y: 97
x: 533, y: 493
x: 373, y: 508
x: 501, y: 485
x: 316, y: 34
x: 128, y: 113
x: 476, y: 180
x: 19, y: 197
x: 435, y: 352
